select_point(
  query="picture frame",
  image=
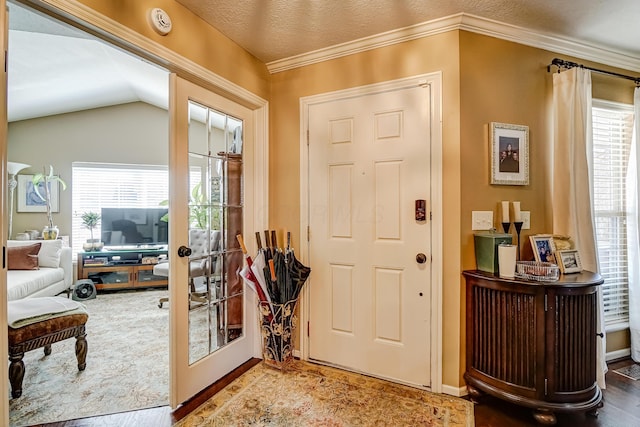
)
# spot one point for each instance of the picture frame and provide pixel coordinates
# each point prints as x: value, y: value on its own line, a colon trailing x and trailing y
x: 543, y: 248
x: 28, y: 199
x: 569, y: 261
x: 509, y: 154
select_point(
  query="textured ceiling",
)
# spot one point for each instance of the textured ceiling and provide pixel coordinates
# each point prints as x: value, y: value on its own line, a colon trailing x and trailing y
x: 54, y: 68
x: 277, y: 29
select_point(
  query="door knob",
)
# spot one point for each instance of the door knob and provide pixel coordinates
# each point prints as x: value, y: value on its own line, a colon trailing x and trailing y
x: 184, y: 251
x: 421, y: 258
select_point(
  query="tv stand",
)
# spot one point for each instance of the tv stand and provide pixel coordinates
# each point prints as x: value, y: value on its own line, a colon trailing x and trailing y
x: 122, y: 269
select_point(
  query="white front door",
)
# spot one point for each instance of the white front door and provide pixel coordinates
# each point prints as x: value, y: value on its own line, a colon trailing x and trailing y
x: 370, y: 290
x: 211, y: 323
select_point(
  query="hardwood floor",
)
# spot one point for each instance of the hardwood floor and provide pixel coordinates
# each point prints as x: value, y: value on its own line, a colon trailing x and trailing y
x: 621, y: 408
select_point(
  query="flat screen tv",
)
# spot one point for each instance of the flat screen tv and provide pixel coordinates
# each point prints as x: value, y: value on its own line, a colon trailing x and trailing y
x: 133, y: 226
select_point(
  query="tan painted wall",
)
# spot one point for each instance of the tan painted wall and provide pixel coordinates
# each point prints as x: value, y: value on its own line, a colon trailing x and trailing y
x: 135, y: 133
x: 506, y: 82
x: 437, y: 53
x: 192, y: 38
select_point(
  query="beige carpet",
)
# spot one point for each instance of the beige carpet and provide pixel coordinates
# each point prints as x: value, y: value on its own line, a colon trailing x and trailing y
x: 313, y: 395
x: 127, y: 364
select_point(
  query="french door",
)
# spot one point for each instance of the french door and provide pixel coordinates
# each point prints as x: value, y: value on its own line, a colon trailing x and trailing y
x: 211, y: 324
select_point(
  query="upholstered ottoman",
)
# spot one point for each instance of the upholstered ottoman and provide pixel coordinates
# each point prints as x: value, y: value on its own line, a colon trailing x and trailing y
x: 40, y: 322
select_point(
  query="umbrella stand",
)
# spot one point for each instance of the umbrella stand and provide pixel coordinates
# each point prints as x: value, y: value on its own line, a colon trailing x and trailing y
x: 277, y: 322
x: 284, y: 277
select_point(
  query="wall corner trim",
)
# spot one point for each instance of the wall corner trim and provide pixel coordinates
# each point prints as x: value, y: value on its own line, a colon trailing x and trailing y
x: 454, y: 390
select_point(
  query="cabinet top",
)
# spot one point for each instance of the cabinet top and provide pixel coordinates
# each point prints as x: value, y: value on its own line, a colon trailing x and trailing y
x: 584, y: 278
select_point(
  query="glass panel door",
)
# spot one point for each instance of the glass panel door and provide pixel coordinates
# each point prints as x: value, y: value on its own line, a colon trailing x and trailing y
x: 215, y: 218
x: 209, y: 332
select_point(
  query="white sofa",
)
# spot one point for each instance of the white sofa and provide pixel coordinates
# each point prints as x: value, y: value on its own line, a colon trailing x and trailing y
x: 53, y: 276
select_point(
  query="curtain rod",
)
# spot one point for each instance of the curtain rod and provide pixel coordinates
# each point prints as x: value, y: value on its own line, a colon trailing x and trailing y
x: 561, y: 63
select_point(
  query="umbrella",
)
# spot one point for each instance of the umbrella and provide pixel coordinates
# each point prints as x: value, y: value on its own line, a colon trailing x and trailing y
x: 283, y: 275
x: 247, y: 274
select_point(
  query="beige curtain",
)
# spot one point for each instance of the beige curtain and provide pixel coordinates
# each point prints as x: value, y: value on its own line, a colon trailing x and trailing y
x: 572, y: 153
x: 633, y: 231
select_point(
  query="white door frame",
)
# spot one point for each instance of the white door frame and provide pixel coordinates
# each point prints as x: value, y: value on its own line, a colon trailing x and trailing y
x: 434, y: 80
x: 116, y: 33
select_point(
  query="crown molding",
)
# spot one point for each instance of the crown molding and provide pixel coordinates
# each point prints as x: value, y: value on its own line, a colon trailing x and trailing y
x: 467, y: 22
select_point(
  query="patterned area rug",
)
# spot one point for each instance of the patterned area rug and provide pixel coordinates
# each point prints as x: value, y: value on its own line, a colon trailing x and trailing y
x: 631, y: 371
x: 127, y: 364
x: 313, y: 395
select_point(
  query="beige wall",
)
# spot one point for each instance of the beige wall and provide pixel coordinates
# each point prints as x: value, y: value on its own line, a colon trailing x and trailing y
x: 192, y: 38
x: 507, y: 82
x: 437, y: 53
x: 484, y: 80
x: 135, y: 133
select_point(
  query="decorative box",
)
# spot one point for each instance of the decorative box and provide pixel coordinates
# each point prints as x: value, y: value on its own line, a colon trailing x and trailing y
x: 486, y: 245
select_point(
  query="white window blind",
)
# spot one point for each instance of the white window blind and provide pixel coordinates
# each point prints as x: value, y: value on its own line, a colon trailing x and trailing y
x: 612, y: 136
x: 101, y: 185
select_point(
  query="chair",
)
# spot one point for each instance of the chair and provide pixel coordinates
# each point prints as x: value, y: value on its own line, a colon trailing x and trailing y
x: 201, y: 248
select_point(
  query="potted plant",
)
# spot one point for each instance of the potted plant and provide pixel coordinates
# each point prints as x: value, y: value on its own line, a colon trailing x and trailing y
x: 49, y: 232
x: 90, y: 221
x: 198, y: 210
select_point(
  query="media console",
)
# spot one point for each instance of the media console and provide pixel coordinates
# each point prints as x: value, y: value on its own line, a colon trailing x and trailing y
x: 122, y: 268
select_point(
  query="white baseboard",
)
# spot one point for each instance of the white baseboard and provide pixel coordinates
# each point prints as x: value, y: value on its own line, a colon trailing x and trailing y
x: 454, y: 391
x: 296, y: 354
x: 618, y: 354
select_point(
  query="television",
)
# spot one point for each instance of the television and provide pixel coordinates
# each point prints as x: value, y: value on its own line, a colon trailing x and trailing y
x: 133, y: 227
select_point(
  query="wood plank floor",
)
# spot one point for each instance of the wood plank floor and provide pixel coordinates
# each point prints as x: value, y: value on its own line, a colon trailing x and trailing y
x: 621, y: 408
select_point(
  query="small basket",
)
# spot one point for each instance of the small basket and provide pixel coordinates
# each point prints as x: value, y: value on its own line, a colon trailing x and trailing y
x: 538, y: 271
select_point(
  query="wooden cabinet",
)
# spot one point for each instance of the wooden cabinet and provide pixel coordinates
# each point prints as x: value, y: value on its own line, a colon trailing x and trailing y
x: 533, y: 343
x: 120, y: 269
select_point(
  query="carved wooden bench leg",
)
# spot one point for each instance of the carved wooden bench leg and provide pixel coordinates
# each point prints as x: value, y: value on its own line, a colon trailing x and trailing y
x: 81, y: 351
x: 16, y: 374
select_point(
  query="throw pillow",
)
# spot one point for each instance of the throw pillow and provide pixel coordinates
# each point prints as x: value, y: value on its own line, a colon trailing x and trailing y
x: 49, y: 255
x: 23, y: 257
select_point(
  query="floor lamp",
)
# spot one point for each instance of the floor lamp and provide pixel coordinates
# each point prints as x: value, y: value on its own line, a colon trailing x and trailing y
x: 13, y: 168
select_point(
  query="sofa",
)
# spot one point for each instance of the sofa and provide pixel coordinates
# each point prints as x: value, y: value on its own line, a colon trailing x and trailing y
x: 38, y: 268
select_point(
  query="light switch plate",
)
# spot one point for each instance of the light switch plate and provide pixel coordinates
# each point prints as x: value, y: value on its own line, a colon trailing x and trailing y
x: 526, y: 219
x: 481, y: 220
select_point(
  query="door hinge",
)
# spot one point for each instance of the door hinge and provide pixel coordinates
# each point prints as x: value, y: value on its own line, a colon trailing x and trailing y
x: 430, y: 216
x: 4, y: 257
x: 307, y: 137
x: 308, y: 233
x: 546, y: 385
x: 308, y: 327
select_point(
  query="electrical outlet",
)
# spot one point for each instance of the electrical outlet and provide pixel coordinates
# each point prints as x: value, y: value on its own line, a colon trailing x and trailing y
x: 526, y: 219
x: 481, y: 220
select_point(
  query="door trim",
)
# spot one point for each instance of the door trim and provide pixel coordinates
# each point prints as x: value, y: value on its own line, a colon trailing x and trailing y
x: 434, y: 81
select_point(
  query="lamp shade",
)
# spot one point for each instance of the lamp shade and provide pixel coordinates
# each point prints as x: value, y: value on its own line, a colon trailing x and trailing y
x: 14, y: 168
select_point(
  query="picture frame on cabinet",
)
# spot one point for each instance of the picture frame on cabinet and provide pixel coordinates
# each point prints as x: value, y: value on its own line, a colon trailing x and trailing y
x: 569, y: 261
x: 509, y: 154
x: 543, y: 248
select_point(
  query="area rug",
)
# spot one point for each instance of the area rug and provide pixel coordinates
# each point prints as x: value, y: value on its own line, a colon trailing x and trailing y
x: 313, y: 395
x: 127, y: 364
x: 631, y: 371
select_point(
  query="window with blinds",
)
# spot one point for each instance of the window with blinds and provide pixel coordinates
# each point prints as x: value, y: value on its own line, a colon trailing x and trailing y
x: 101, y: 185
x: 612, y: 136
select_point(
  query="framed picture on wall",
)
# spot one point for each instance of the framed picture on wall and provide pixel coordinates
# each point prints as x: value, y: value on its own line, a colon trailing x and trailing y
x: 569, y: 261
x: 30, y: 201
x: 509, y: 154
